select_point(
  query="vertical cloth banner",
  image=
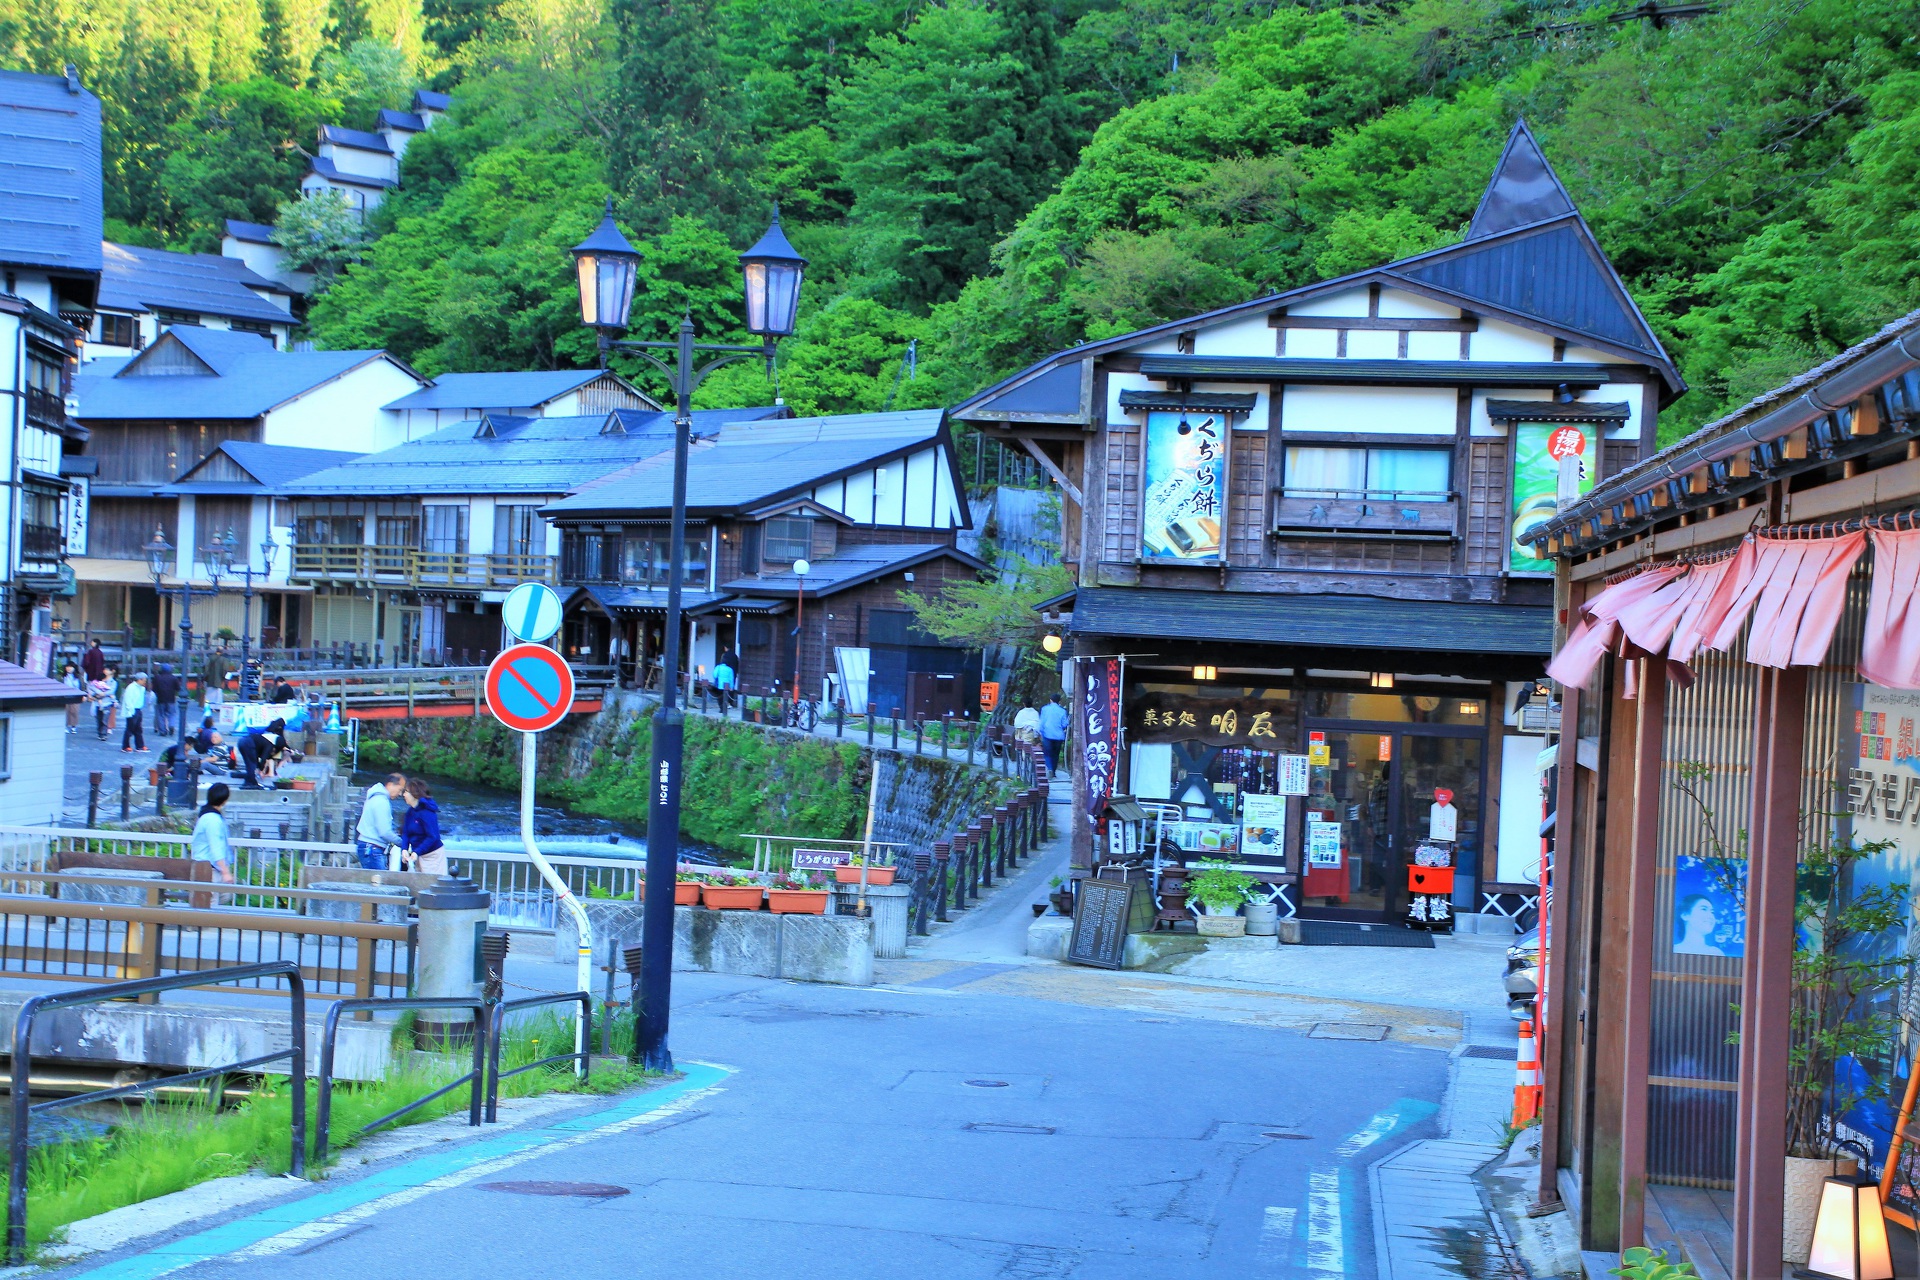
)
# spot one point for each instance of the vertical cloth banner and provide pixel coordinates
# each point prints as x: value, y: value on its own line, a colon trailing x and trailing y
x: 1099, y: 726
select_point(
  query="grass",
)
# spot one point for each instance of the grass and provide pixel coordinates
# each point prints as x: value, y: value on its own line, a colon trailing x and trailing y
x: 165, y: 1149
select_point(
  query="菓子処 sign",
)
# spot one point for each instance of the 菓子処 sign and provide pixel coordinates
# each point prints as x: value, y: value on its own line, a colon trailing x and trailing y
x: 1538, y: 450
x: 1183, y: 508
x: 1221, y: 722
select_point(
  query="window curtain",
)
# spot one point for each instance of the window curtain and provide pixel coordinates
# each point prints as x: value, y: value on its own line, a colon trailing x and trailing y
x: 1890, y: 650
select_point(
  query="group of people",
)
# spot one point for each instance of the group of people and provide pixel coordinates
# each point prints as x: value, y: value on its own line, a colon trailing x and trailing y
x: 122, y: 704
x: 1047, y: 726
x: 414, y: 845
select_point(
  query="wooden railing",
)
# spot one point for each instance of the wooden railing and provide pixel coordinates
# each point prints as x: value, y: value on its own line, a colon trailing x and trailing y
x: 407, y: 566
x: 1369, y: 513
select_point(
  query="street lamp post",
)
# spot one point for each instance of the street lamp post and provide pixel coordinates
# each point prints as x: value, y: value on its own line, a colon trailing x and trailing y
x: 800, y: 568
x: 159, y: 555
x: 607, y: 264
x: 227, y: 545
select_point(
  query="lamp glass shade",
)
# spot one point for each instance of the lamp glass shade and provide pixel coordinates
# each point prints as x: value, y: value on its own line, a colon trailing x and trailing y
x: 606, y: 264
x: 771, y: 272
x: 1051, y: 643
x: 159, y: 555
x: 801, y: 568
x: 1850, y: 1231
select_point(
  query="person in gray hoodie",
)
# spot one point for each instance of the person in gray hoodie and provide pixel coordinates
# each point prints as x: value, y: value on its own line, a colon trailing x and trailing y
x: 375, y: 832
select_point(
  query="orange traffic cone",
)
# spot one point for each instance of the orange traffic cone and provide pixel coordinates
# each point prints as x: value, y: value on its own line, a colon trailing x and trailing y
x: 1526, y: 1080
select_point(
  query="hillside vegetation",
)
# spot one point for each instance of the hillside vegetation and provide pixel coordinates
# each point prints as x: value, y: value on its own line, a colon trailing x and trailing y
x: 993, y: 179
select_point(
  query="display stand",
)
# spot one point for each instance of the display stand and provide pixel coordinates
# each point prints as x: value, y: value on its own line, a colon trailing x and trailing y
x: 1430, y: 887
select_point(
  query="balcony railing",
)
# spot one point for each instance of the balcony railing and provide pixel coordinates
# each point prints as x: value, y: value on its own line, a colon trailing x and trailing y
x: 46, y: 406
x: 42, y: 542
x: 1363, y: 513
x: 405, y: 566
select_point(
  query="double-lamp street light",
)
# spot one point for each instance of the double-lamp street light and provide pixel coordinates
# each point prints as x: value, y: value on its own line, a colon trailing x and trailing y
x: 221, y: 554
x: 608, y: 264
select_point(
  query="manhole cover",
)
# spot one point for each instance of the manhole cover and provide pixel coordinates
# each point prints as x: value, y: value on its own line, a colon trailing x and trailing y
x: 1497, y: 1052
x: 994, y: 1126
x: 1348, y: 1031
x: 985, y: 1084
x: 1293, y: 1137
x: 587, y: 1190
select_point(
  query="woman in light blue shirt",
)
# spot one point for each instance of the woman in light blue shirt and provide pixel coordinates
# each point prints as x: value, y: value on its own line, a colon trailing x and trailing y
x: 210, y: 834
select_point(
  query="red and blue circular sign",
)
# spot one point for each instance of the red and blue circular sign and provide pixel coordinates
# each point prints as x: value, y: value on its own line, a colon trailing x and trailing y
x: 529, y: 687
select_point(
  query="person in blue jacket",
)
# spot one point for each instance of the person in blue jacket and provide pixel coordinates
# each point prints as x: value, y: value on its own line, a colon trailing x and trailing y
x: 420, y: 830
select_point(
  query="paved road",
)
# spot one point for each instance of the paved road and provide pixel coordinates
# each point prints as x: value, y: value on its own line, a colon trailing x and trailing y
x: 848, y: 1141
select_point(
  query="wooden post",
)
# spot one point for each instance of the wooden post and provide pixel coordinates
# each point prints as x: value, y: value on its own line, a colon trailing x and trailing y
x: 363, y: 955
x: 1767, y: 973
x: 1559, y: 1030
x: 1637, y: 1032
x: 143, y: 948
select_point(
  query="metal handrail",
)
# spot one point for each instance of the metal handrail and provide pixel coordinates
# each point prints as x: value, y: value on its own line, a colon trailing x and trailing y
x: 497, y: 1032
x: 475, y: 1077
x: 22, y: 1071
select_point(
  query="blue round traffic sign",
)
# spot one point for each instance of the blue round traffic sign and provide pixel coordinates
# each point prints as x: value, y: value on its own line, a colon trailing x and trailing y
x: 529, y: 687
x: 531, y: 611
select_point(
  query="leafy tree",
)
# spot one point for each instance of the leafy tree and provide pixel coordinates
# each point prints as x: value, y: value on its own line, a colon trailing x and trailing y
x: 365, y: 77
x: 348, y: 23
x: 451, y: 25
x: 321, y: 234
x: 239, y: 156
x: 849, y: 356
x: 997, y: 609
x: 276, y: 51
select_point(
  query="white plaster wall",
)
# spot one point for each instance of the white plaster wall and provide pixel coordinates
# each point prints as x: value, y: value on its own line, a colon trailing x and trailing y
x: 1616, y: 392
x: 1256, y: 418
x: 1481, y: 425
x: 1382, y: 409
x: 918, y: 509
x: 857, y: 499
x: 364, y: 164
x: 1118, y: 382
x: 1312, y: 344
x: 186, y: 539
x: 1395, y: 302
x: 1497, y: 340
x: 1373, y: 344
x: 1348, y: 302
x: 1587, y: 355
x: 40, y: 451
x: 1248, y: 336
x: 346, y: 413
x: 31, y: 795
x: 1426, y: 345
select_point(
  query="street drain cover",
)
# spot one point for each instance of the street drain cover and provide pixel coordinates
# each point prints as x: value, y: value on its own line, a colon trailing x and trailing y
x: 986, y: 1084
x: 1295, y: 1137
x: 1348, y: 1031
x: 587, y: 1190
x: 995, y: 1126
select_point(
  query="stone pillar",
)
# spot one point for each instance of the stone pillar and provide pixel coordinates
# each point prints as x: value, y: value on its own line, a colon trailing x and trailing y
x: 887, y: 906
x: 1002, y: 837
x: 982, y: 857
x: 453, y: 918
x: 942, y: 856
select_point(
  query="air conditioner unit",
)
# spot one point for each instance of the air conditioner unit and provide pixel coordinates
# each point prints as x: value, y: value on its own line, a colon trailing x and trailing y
x: 1536, y: 717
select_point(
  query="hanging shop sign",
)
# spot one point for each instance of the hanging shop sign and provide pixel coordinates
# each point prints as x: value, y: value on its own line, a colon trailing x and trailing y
x: 1099, y: 727
x: 1539, y: 449
x: 1184, y: 507
x: 1220, y: 722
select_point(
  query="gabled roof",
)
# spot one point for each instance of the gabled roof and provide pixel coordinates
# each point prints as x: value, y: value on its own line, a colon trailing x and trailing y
x: 50, y: 201
x: 1546, y: 273
x: 752, y: 463
x: 536, y: 456
x: 525, y: 390
x: 406, y: 121
x: 269, y: 465
x: 244, y: 377
x: 250, y: 232
x: 428, y: 100
x: 135, y: 279
x: 21, y: 687
x: 850, y: 567
x: 327, y: 169
x: 358, y: 139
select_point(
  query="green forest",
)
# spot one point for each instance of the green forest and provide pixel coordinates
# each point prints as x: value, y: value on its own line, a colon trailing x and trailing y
x: 989, y: 180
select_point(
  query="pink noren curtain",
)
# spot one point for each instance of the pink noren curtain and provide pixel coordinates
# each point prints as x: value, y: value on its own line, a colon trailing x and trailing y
x: 1890, y: 650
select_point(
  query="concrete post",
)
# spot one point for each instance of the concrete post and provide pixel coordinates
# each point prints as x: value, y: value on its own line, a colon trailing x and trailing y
x: 982, y: 857
x: 942, y: 855
x: 93, y: 799
x: 126, y: 792
x: 1002, y: 832
x: 453, y: 919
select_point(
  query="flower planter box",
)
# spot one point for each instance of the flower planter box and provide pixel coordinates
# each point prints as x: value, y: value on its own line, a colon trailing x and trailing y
x: 686, y: 893
x: 303, y: 784
x: 731, y: 898
x: 798, y: 902
x: 1222, y: 926
x: 875, y: 875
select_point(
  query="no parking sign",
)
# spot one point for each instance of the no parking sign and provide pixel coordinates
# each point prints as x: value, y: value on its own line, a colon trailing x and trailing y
x: 529, y: 687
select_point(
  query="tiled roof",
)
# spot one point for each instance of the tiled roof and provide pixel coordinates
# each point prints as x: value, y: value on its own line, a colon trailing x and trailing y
x: 496, y: 390
x: 753, y: 462
x: 246, y: 378
x: 1314, y: 621
x: 356, y: 138
x: 50, y: 202
x: 134, y: 279
x: 428, y: 100
x: 276, y: 464
x: 849, y: 568
x: 251, y: 232
x: 405, y: 120
x: 327, y: 169
x: 19, y: 685
x: 525, y: 455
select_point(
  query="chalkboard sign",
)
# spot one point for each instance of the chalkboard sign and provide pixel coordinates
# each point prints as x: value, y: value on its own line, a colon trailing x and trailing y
x: 1101, y: 913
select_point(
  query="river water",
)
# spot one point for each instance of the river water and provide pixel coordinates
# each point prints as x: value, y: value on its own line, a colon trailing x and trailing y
x: 472, y: 815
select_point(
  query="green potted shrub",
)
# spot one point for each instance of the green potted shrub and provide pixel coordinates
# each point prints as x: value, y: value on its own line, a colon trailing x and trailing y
x: 1222, y: 891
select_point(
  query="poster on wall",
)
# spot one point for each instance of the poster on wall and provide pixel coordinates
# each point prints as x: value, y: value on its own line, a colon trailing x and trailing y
x: 1710, y: 906
x: 1099, y: 726
x: 1263, y: 826
x: 1293, y: 775
x: 1538, y: 450
x: 1185, y: 504
x: 1323, y: 844
x: 1883, y: 781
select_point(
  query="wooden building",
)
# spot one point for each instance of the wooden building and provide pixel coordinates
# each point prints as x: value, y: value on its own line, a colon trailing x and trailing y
x: 1298, y: 513
x: 871, y: 502
x: 1738, y: 696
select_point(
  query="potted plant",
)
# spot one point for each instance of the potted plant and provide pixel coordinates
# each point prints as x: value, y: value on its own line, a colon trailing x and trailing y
x: 732, y: 893
x: 686, y: 889
x: 877, y: 873
x: 1062, y: 896
x: 796, y: 895
x: 1221, y: 890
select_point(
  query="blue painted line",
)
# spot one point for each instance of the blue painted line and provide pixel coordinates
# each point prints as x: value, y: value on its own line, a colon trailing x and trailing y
x: 243, y: 1233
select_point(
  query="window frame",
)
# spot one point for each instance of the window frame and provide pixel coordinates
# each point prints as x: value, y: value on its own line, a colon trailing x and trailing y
x: 785, y: 540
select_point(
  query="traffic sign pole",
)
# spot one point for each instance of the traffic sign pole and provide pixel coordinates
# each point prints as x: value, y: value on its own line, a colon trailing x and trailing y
x: 583, y: 1037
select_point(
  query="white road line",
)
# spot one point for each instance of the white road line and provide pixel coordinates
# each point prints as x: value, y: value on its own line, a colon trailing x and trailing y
x: 1276, y: 1232
x: 1368, y: 1134
x: 1326, y: 1235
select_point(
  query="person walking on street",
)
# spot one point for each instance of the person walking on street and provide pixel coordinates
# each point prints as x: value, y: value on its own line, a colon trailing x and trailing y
x: 210, y: 843
x: 113, y: 699
x: 375, y: 833
x: 166, y: 693
x: 1053, y: 732
x: 93, y: 663
x: 73, y: 680
x: 133, y: 705
x: 420, y: 830
x: 726, y: 678
x: 100, y: 695
x: 259, y: 747
x: 1026, y: 725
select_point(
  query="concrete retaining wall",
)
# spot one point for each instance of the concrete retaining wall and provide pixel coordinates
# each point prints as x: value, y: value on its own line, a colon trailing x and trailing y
x: 761, y: 944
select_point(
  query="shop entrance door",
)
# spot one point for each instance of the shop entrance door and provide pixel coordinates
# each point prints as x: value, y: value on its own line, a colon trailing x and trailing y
x: 1368, y: 808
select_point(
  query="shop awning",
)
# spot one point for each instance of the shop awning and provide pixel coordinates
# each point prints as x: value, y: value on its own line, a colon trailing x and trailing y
x: 1341, y: 622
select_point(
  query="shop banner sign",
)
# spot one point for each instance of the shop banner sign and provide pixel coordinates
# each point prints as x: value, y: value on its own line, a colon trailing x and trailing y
x: 1539, y: 448
x: 1220, y: 722
x: 1883, y: 778
x: 1185, y: 504
x: 1100, y: 727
